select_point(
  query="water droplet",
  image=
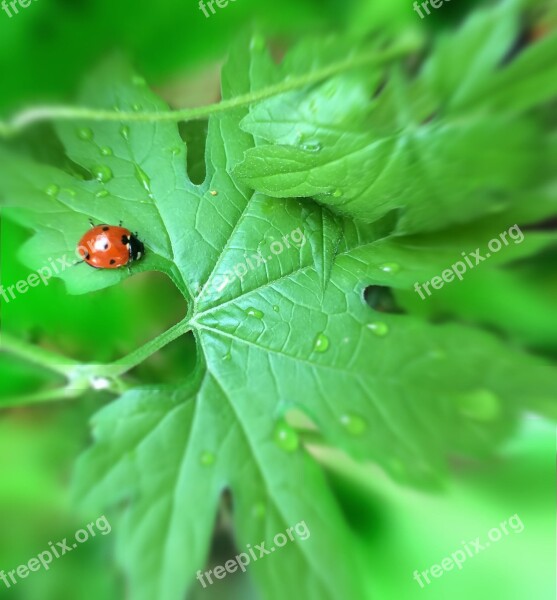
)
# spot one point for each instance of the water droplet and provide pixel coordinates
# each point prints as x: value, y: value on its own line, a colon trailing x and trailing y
x: 125, y: 132
x: 337, y: 193
x: 207, y: 458
x: 390, y: 268
x: 311, y: 146
x: 143, y: 179
x: 226, y: 357
x: 214, y: 193
x: 85, y: 134
x: 378, y: 328
x: 254, y: 312
x: 102, y: 173
x: 286, y: 437
x: 257, y: 43
x: 321, y: 343
x: 397, y: 467
x: 175, y: 151
x: 102, y: 194
x: 481, y: 405
x: 52, y: 190
x: 106, y: 151
x: 137, y: 80
x: 136, y: 107
x: 276, y: 308
x: 259, y: 510
x: 354, y: 424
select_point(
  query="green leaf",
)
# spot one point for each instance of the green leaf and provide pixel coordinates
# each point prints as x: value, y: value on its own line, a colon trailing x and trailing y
x: 289, y: 330
x: 415, y: 148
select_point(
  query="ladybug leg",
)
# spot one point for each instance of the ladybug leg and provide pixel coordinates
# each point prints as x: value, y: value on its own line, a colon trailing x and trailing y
x: 120, y: 223
x: 91, y: 222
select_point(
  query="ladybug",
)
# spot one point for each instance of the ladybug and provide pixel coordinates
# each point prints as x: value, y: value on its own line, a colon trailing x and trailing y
x: 109, y: 247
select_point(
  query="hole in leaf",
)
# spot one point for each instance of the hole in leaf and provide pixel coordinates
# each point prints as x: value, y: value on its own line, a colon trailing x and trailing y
x: 194, y: 135
x: 381, y: 299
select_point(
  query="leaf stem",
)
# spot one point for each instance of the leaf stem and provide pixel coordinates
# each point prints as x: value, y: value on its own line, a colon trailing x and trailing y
x: 82, y: 376
x: 35, y: 354
x: 63, y: 393
x: 67, y: 113
x: 125, y: 364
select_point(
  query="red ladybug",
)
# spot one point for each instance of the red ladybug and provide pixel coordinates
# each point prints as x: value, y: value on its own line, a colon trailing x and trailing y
x: 109, y: 247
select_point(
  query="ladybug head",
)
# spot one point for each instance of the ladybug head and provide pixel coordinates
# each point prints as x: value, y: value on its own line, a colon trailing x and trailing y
x: 137, y: 249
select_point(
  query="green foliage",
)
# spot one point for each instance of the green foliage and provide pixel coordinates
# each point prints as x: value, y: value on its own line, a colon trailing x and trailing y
x: 295, y: 332
x: 439, y: 147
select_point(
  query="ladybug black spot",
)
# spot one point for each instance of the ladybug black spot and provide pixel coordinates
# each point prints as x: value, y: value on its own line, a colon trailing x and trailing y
x: 106, y: 228
x: 125, y: 240
x: 112, y: 261
x: 106, y: 246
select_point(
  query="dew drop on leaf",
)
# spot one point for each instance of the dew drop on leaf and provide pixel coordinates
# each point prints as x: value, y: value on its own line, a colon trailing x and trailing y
x: 311, y: 146
x: 257, y: 43
x: 397, y: 467
x: 276, y: 308
x: 321, y: 343
x: 106, y: 151
x: 337, y: 193
x: 136, y: 107
x: 102, y: 173
x: 143, y: 179
x: 379, y: 328
x: 125, y: 132
x: 85, y: 134
x: 481, y: 405
x: 52, y: 190
x: 207, y: 458
x: 259, y: 510
x: 354, y: 424
x: 285, y: 437
x: 390, y: 268
x: 254, y: 312
x: 102, y: 194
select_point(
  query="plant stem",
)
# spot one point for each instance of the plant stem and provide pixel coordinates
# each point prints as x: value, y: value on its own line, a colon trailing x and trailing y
x: 80, y: 376
x: 42, y: 113
x: 125, y: 364
x: 64, y: 393
x: 45, y: 358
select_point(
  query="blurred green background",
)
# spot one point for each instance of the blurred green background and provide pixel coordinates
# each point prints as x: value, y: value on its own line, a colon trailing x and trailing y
x: 44, y: 52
